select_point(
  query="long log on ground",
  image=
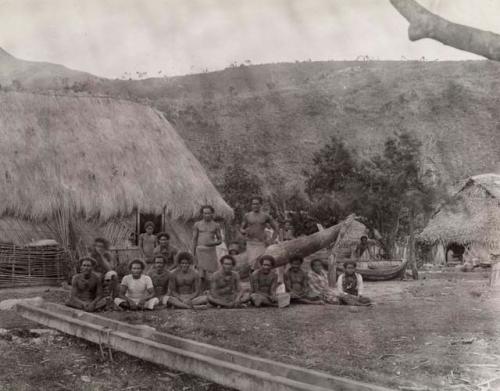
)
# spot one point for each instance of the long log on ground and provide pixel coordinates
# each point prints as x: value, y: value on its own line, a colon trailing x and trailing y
x: 307, y: 245
x: 227, y: 367
x: 425, y: 24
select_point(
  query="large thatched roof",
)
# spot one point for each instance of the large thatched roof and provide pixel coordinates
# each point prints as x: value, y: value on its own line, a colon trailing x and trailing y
x: 471, y: 216
x: 102, y: 157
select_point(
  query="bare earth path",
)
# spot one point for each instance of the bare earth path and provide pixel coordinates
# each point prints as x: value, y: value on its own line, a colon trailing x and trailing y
x: 439, y: 333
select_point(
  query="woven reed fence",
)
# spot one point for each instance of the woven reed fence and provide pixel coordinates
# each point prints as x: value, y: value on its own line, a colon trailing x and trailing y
x: 33, y: 265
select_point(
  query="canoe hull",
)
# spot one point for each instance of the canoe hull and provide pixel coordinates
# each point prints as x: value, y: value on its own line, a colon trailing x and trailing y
x: 378, y: 274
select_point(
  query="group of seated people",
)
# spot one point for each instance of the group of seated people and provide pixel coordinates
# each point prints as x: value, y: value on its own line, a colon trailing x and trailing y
x: 97, y: 287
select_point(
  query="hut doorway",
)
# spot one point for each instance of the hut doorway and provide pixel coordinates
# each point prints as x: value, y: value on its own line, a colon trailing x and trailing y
x: 454, y: 254
x: 143, y: 218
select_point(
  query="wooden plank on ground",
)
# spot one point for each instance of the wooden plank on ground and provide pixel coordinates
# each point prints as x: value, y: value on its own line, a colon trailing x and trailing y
x: 222, y: 366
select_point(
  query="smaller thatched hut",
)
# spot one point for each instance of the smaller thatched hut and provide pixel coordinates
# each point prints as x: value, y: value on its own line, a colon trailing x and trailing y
x: 470, y: 221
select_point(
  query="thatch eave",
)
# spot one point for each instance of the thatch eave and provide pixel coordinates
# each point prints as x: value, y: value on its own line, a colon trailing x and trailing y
x: 96, y: 157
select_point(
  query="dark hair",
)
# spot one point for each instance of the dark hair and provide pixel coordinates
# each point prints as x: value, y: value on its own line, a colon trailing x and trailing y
x: 163, y: 235
x: 316, y: 260
x: 92, y: 261
x: 267, y: 258
x: 297, y: 258
x: 350, y: 262
x: 230, y: 257
x: 149, y: 224
x: 258, y: 198
x: 104, y: 242
x: 155, y: 257
x: 363, y: 236
x: 203, y: 207
x: 136, y: 261
x: 184, y: 255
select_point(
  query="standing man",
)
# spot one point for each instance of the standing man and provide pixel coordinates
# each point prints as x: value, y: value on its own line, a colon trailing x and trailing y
x: 166, y: 250
x: 206, y: 237
x: 363, y: 250
x: 254, y: 229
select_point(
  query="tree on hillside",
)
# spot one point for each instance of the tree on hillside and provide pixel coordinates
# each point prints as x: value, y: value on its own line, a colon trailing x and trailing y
x: 238, y: 187
x: 387, y: 189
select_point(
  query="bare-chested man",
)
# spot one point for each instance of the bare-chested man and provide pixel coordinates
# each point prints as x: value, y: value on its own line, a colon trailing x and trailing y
x: 225, y: 288
x: 86, y: 288
x: 297, y: 284
x: 185, y: 284
x: 160, y: 276
x: 264, y: 282
x: 253, y: 228
x: 206, y: 237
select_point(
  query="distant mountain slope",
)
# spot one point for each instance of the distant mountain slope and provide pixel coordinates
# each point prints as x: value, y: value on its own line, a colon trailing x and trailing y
x: 37, y: 75
x: 273, y: 117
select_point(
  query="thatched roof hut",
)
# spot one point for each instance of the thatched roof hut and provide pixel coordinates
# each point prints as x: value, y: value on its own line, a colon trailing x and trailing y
x: 471, y: 216
x: 76, y: 165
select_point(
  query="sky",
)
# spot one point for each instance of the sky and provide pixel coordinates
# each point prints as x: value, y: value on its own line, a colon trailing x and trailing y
x: 118, y: 38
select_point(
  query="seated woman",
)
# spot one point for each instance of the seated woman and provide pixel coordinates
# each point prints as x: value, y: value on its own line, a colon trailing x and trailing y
x: 225, y: 289
x: 136, y: 289
x: 264, y: 282
x: 160, y: 276
x: 86, y: 288
x: 297, y: 284
x: 318, y: 282
x: 185, y: 284
x: 350, y: 286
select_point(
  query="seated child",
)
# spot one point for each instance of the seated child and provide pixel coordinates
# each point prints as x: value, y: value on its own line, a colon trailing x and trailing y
x: 350, y: 286
x: 86, y: 288
x: 136, y: 289
x: 148, y: 241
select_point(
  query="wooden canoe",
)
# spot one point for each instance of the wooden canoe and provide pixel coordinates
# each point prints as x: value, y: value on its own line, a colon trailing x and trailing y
x: 378, y: 274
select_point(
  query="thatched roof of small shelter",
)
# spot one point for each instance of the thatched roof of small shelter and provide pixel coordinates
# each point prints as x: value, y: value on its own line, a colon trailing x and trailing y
x: 98, y: 157
x: 471, y: 216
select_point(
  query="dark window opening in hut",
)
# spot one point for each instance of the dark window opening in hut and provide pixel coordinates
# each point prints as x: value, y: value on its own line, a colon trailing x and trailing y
x: 455, y: 254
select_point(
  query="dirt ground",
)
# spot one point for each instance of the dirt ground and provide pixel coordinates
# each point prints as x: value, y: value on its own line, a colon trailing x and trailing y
x: 438, y: 333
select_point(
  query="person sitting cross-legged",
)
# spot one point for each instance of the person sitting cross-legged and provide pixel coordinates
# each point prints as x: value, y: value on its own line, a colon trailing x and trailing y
x: 160, y: 276
x: 225, y: 288
x: 318, y: 282
x: 297, y: 284
x: 86, y: 288
x: 136, y: 289
x: 184, y: 287
x: 350, y: 286
x: 264, y: 282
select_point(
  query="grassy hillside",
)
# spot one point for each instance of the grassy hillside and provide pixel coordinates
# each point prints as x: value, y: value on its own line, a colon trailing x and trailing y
x: 274, y: 117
